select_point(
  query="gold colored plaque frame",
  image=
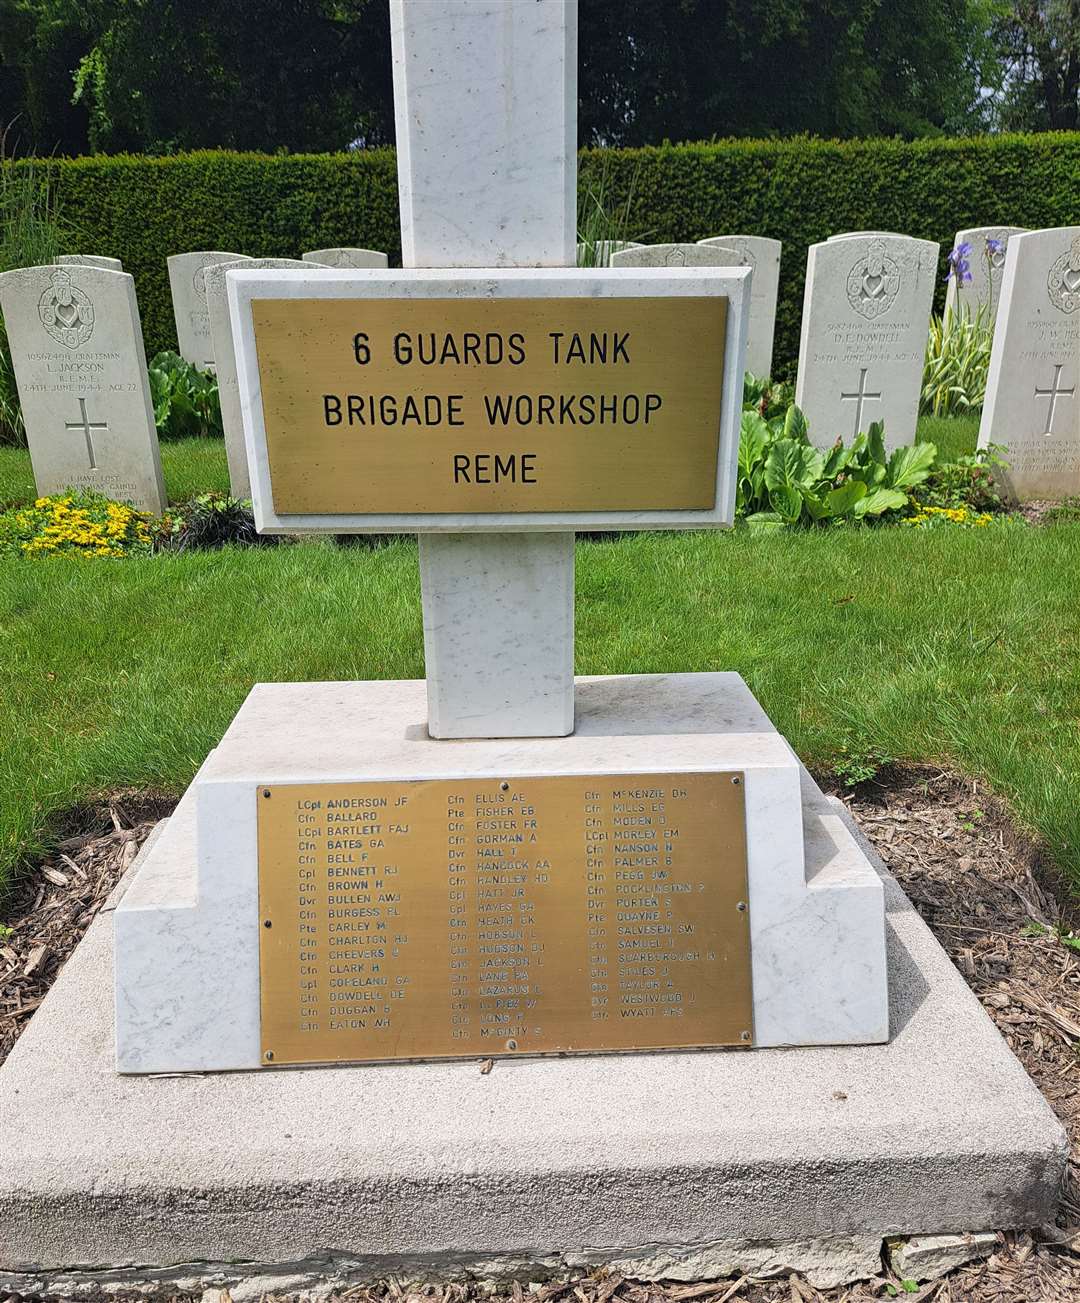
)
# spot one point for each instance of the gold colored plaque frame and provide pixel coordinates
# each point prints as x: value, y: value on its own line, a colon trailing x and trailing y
x: 369, y: 404
x: 504, y: 916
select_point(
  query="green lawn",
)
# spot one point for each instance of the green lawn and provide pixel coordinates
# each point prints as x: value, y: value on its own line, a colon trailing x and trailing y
x: 959, y: 647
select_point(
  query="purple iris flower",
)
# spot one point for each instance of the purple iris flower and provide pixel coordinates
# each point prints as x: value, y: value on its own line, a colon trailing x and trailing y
x: 959, y: 266
x: 994, y: 247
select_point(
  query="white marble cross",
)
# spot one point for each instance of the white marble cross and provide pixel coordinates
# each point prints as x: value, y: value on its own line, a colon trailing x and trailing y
x: 491, y: 80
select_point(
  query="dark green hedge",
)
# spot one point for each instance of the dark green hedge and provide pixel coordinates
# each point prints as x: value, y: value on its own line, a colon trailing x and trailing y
x: 799, y: 191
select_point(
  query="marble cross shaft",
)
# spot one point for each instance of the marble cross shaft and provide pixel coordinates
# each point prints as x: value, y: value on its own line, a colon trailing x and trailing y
x: 485, y: 100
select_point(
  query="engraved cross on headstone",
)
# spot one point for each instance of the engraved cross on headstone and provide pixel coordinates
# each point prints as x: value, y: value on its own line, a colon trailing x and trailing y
x: 87, y: 427
x: 860, y: 398
x: 1055, y: 392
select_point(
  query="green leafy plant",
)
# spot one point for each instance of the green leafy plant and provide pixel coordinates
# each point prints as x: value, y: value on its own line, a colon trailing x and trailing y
x: 785, y: 480
x: 211, y: 520
x: 857, y: 764
x: 31, y: 234
x: 186, y: 401
x: 972, y: 481
x: 957, y: 361
x: 602, y: 220
x: 769, y: 398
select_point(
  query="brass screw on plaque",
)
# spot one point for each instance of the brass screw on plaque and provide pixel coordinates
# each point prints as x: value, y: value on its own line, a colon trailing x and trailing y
x: 504, y: 787
x: 741, y: 907
x: 266, y: 792
x: 269, y: 1055
x: 735, y: 782
x: 511, y: 1044
x: 267, y: 923
x: 744, y: 1036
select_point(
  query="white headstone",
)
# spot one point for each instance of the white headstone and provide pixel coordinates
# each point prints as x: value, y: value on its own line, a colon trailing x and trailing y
x: 1032, y: 405
x: 601, y: 253
x: 861, y: 235
x: 346, y: 257
x: 77, y: 347
x: 89, y: 260
x: 866, y: 312
x: 985, y: 259
x: 671, y: 255
x: 187, y: 282
x: 224, y: 355
x: 762, y: 256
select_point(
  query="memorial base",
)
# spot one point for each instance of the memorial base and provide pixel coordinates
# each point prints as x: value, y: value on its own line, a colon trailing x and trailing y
x: 675, y: 1166
x: 191, y: 962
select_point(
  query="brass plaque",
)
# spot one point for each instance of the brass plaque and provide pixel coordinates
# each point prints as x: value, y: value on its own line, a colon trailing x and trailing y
x: 478, y: 404
x: 426, y: 920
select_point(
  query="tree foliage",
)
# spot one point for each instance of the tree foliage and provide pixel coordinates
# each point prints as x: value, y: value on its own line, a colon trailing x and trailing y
x: 310, y: 75
x: 1039, y: 82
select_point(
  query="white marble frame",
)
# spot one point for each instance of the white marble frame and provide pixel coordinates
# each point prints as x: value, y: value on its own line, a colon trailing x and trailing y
x: 534, y: 282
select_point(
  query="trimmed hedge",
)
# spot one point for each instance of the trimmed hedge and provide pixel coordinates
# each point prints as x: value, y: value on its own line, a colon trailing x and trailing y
x: 799, y: 191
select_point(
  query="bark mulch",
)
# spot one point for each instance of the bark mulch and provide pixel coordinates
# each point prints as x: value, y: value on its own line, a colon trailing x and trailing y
x: 984, y: 887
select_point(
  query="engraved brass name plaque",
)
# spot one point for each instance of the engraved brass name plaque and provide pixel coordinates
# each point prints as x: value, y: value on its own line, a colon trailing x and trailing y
x: 481, y: 405
x: 486, y: 917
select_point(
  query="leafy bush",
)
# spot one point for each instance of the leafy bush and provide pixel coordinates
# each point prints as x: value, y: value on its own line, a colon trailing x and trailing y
x: 798, y: 190
x: 957, y: 362
x: 969, y: 482
x: 785, y: 480
x: 769, y: 398
x: 31, y: 232
x: 185, y: 399
x: 81, y: 524
x: 211, y: 520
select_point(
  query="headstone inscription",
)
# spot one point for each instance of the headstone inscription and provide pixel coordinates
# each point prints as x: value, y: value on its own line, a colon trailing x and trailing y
x: 224, y: 355
x: 673, y: 781
x: 1032, y: 407
x: 982, y: 250
x: 187, y: 282
x: 762, y: 256
x: 866, y: 311
x: 77, y: 348
x: 346, y: 257
x: 90, y: 260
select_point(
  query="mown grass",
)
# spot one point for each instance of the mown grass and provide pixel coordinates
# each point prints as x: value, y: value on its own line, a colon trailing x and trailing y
x: 946, y: 646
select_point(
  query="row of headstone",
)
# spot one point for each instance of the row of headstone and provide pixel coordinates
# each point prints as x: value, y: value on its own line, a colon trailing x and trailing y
x: 79, y: 361
x: 76, y: 343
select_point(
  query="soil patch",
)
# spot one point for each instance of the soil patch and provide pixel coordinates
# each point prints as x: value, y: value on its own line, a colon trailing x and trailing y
x: 991, y: 897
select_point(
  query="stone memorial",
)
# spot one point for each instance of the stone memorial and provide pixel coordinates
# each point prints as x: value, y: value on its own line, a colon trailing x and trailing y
x: 346, y: 258
x: 866, y: 313
x: 77, y: 348
x: 985, y: 258
x: 1031, y: 406
x: 862, y: 235
x: 187, y: 283
x: 224, y: 355
x: 762, y: 256
x: 90, y: 260
x: 454, y: 898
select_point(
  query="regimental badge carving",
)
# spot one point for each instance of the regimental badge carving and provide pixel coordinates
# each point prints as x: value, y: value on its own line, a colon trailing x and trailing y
x: 746, y: 255
x: 66, y: 312
x: 675, y: 257
x: 1063, y: 282
x: 873, y: 283
x: 995, y: 253
x: 198, y: 281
